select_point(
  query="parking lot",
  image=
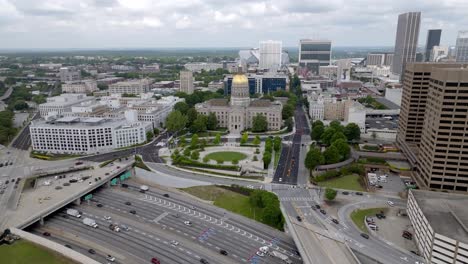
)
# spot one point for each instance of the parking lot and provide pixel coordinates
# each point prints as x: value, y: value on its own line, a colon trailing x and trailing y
x: 392, y: 184
x: 391, y: 229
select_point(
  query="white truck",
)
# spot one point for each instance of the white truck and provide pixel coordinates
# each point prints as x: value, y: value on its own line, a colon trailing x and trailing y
x: 144, y: 188
x: 90, y: 222
x: 73, y: 212
x: 281, y: 256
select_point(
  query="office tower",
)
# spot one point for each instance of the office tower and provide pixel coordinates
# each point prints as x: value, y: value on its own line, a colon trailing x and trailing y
x: 443, y: 155
x: 461, y: 47
x: 429, y: 105
x: 406, y: 40
x: 433, y: 39
x: 314, y: 53
x: 270, y: 54
x: 69, y: 74
x: 379, y: 59
x: 186, y: 82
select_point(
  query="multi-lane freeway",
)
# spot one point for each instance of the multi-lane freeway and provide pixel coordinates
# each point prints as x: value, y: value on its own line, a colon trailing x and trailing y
x: 159, y: 223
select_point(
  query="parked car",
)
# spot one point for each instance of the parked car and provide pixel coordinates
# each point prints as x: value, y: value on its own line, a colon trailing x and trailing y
x: 223, y: 252
x: 110, y: 258
x: 359, y: 193
x: 323, y: 211
x: 299, y: 218
x: 364, y: 235
x: 174, y: 243
x: 99, y: 205
x: 335, y: 221
x: 345, y: 193
x: 390, y: 203
x: 317, y: 206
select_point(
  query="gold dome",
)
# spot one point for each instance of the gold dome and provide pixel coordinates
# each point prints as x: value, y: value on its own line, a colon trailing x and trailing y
x: 240, y: 79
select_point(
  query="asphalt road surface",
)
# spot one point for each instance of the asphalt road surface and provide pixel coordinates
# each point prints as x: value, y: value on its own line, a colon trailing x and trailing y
x: 158, y: 221
x: 288, y: 166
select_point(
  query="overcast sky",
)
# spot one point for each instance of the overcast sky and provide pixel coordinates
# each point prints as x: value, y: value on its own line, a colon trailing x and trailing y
x: 217, y: 23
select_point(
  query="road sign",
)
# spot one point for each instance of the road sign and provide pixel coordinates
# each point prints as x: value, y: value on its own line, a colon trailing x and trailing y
x: 113, y: 181
x: 88, y: 197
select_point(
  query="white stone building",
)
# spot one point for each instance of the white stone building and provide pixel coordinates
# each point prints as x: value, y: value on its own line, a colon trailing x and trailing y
x: 355, y: 113
x: 75, y: 135
x: 69, y: 74
x: 270, y: 54
x: 237, y: 115
x: 131, y: 87
x: 199, y: 66
x: 394, y: 95
x: 84, y: 86
x: 440, y: 223
x: 62, y: 103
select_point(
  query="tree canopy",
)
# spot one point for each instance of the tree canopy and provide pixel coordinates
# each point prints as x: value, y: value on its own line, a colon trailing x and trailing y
x: 352, y: 132
x: 331, y: 155
x: 176, y: 121
x: 330, y: 194
x: 259, y: 123
x: 313, y: 158
x: 211, y: 122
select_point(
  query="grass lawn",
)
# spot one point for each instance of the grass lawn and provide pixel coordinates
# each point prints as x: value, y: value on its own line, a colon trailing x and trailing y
x: 348, y: 182
x: 23, y: 252
x: 358, y: 216
x: 226, y: 156
x: 228, y: 200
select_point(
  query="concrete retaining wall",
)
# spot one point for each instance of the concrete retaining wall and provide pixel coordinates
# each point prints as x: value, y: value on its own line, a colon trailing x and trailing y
x: 69, y: 253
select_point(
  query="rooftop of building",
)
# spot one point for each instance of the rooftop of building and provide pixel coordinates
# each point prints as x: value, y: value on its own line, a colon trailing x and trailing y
x: 446, y: 213
x: 77, y: 122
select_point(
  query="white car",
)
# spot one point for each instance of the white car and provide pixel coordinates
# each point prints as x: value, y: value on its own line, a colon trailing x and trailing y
x: 390, y: 203
x: 107, y: 217
x: 174, y: 243
x: 280, y: 179
x: 187, y: 223
x: 110, y: 258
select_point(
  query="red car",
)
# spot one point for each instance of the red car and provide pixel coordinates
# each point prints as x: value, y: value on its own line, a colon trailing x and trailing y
x: 155, y: 261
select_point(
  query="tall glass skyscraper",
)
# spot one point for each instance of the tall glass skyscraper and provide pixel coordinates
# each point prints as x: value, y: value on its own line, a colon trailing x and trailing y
x: 433, y: 39
x: 406, y: 40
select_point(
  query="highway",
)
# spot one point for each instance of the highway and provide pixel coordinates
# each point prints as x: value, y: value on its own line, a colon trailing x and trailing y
x: 287, y: 171
x: 23, y: 140
x: 159, y: 219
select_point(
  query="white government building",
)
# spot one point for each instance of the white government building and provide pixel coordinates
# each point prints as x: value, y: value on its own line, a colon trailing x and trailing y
x: 87, y: 135
x: 237, y: 115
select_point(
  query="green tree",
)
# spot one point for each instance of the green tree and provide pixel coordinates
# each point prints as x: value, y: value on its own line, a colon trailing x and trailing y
x: 39, y: 99
x: 195, y: 155
x: 176, y: 121
x: 217, y: 139
x: 343, y: 148
x: 156, y: 131
x: 289, y: 123
x: 317, y: 123
x: 256, y: 140
x: 288, y: 111
x: 266, y: 159
x: 317, y: 132
x: 20, y: 105
x: 313, y: 158
x: 182, y: 141
x: 206, y: 159
x: 327, y: 135
x: 259, y: 123
x: 269, y: 145
x: 192, y: 115
x: 102, y: 86
x: 183, y: 107
x: 194, y: 142
x: 10, y: 81
x: 277, y: 143
x: 244, y: 138
x: 336, y: 125
x: 187, y: 152
x: 199, y: 124
x: 330, y: 194
x: 149, y: 136
x: 352, y: 132
x: 212, y: 122
x: 331, y: 155
x: 337, y: 136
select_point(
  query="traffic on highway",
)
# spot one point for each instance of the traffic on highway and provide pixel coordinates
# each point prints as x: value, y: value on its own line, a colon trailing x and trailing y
x: 166, y: 227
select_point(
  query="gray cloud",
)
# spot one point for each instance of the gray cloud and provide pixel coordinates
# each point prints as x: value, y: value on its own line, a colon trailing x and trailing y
x: 176, y: 23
